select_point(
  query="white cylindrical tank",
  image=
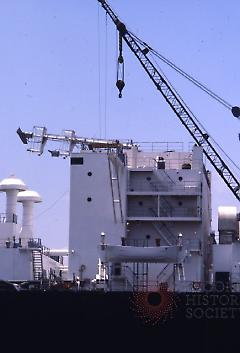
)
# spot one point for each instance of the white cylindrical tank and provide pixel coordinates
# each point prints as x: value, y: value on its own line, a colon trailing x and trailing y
x: 28, y: 198
x: 227, y: 218
x: 11, y: 186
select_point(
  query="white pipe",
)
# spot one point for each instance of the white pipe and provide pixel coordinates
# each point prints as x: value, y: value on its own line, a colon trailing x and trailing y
x: 27, y: 220
x: 57, y: 252
x: 11, y: 203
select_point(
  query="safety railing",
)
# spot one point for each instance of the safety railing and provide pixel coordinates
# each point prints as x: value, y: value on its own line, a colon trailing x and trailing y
x: 8, y: 218
x: 160, y: 146
x: 21, y: 243
x: 164, y: 212
x: 137, y: 242
x: 150, y: 162
x: 187, y: 187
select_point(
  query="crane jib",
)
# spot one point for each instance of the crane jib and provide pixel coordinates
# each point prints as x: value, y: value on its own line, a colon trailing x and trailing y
x: 177, y: 105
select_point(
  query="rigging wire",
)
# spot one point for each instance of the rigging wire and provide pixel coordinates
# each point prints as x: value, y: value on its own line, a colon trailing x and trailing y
x: 194, y: 81
x: 184, y: 74
x: 200, y: 124
x: 53, y: 204
x: 106, y: 77
x: 99, y: 76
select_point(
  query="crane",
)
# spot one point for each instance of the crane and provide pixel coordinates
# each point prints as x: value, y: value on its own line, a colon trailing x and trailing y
x: 198, y: 133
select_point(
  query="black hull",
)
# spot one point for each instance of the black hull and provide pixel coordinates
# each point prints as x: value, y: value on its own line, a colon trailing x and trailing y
x: 185, y: 322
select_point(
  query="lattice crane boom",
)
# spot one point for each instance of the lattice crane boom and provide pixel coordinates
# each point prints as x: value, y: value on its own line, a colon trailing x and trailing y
x: 176, y: 103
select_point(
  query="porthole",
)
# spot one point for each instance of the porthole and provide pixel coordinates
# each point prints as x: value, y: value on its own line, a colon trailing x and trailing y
x: 89, y: 199
x: 149, y: 178
x: 180, y: 178
x: 89, y: 173
x: 140, y: 203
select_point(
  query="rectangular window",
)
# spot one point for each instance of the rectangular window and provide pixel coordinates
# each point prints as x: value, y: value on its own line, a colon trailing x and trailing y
x: 77, y: 161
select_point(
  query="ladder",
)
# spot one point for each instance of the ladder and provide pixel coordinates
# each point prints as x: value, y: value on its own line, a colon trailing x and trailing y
x: 181, y: 274
x: 140, y: 277
x: 115, y: 187
x: 37, y: 265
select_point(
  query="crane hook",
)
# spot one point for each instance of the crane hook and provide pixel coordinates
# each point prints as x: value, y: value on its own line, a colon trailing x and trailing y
x: 120, y: 85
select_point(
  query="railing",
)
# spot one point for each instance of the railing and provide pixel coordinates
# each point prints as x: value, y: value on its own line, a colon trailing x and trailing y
x: 8, y: 218
x: 150, y: 162
x: 34, y: 243
x: 21, y: 243
x: 193, y: 244
x: 185, y: 186
x: 160, y: 146
x: 137, y: 242
x: 164, y: 212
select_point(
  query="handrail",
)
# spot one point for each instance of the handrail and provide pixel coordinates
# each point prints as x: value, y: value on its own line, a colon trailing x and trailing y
x: 8, y: 218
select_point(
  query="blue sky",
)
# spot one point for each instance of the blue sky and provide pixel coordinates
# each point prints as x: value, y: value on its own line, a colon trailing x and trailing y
x: 52, y: 55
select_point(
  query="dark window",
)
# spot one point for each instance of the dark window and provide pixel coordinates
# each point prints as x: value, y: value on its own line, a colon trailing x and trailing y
x: 180, y: 178
x: 180, y: 203
x: 77, y: 161
x: 222, y: 280
x: 148, y: 236
x: 117, y: 271
x: 89, y: 199
x: 140, y: 203
x: 149, y: 178
x: 89, y: 174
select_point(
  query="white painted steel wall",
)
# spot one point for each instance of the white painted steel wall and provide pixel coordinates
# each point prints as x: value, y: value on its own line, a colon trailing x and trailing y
x: 89, y: 218
x: 15, y: 264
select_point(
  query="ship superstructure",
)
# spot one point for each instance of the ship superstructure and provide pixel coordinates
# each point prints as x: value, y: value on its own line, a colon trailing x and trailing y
x: 150, y: 213
x: 140, y: 216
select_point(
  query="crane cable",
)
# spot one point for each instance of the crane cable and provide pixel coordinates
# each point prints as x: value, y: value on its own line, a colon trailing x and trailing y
x: 184, y: 74
x: 99, y: 76
x: 106, y: 77
x: 52, y: 205
x: 200, y: 124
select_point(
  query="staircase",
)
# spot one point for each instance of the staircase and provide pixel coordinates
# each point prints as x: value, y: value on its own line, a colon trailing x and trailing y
x: 163, y: 230
x: 165, y: 274
x: 113, y: 165
x: 165, y: 182
x: 37, y: 265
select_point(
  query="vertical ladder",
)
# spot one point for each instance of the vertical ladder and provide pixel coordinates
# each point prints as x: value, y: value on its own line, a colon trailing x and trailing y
x: 181, y: 274
x: 140, y: 277
x: 37, y: 265
x: 115, y: 188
